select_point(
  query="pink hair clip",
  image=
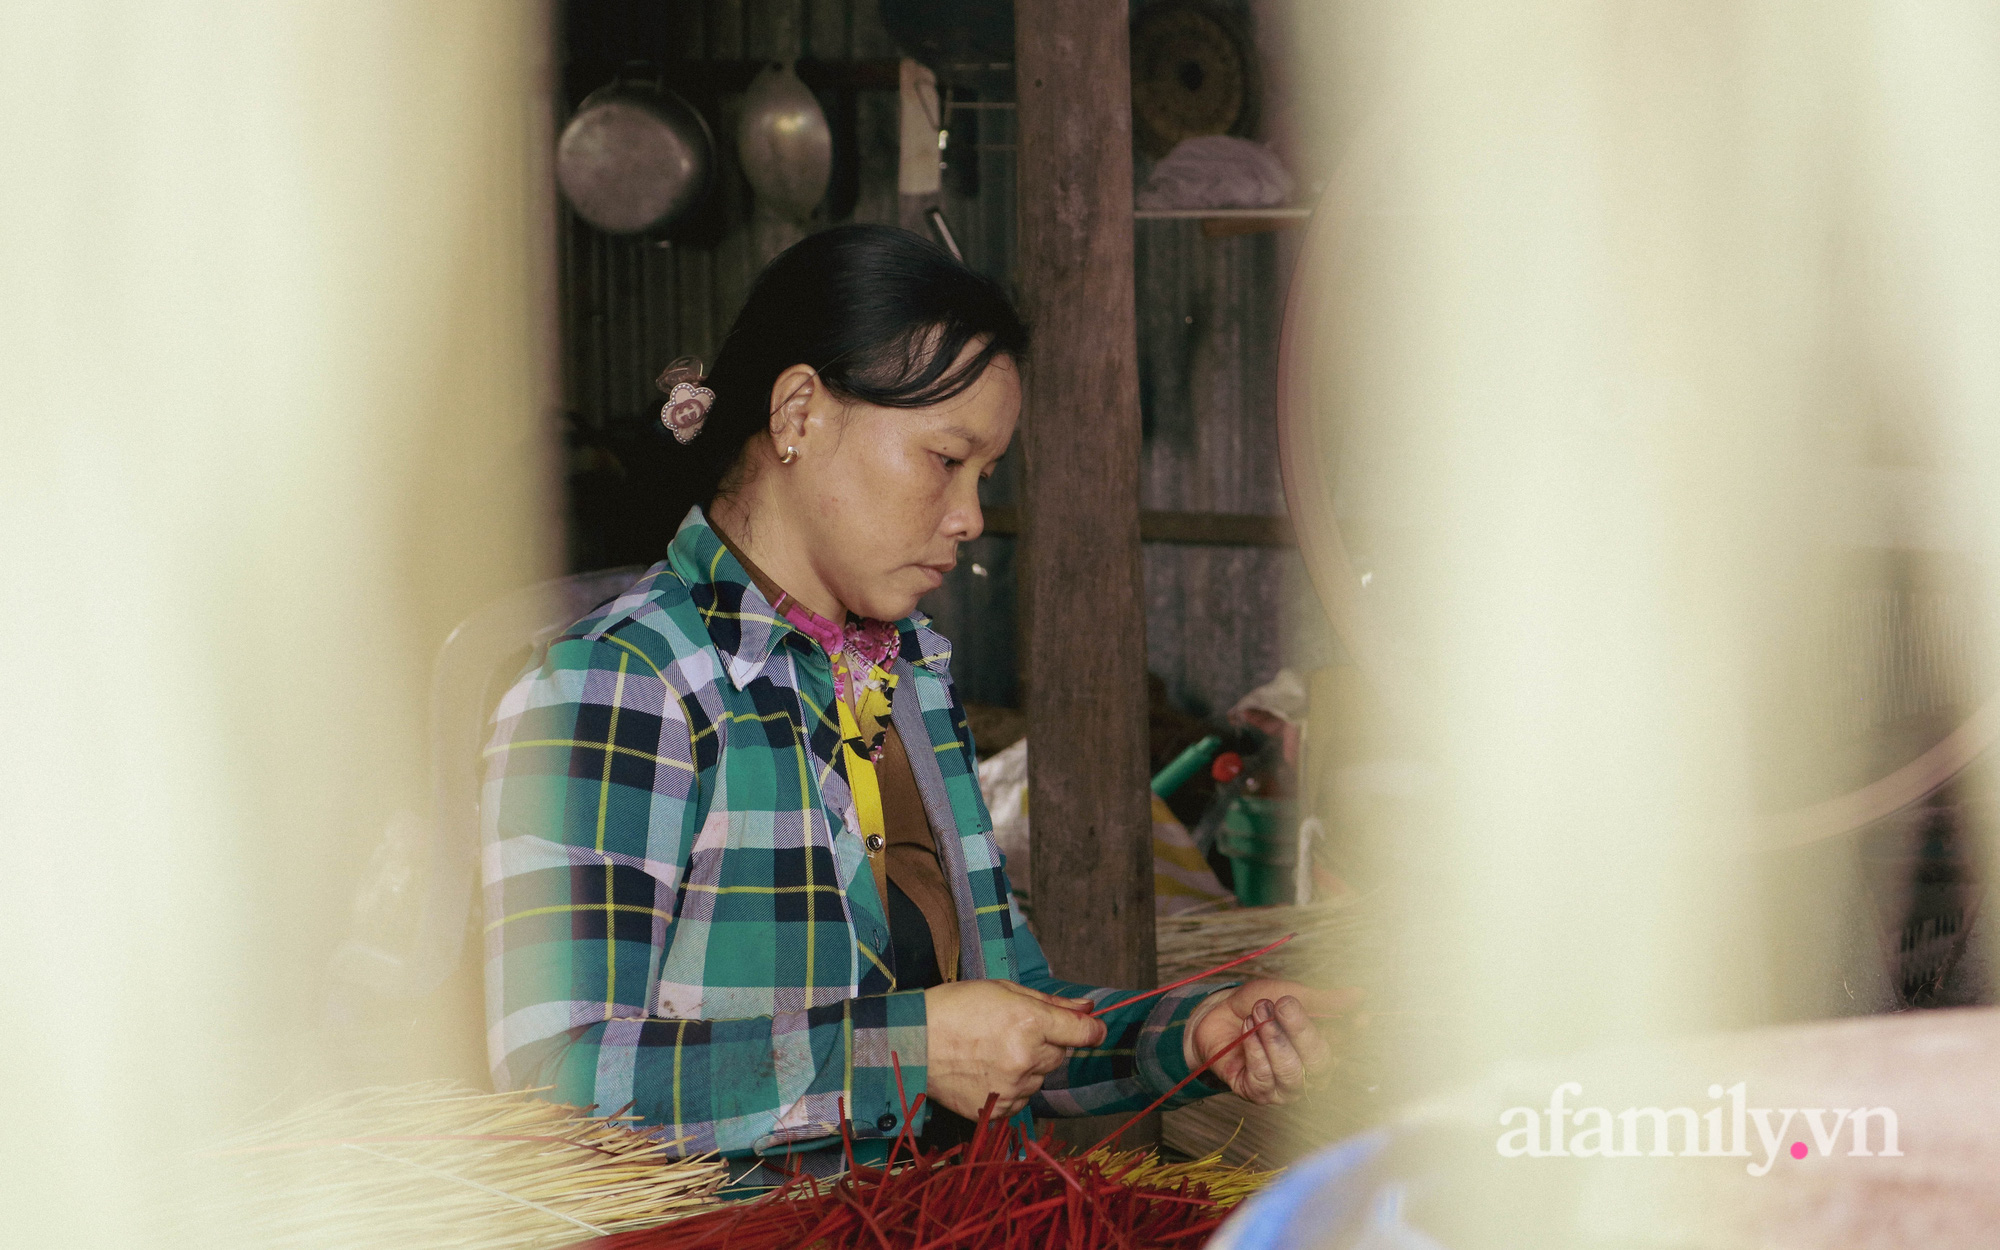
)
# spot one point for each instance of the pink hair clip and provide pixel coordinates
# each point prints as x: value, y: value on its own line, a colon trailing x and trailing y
x: 688, y: 401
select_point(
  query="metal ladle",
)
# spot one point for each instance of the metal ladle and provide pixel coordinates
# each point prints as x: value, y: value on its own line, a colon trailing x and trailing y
x: 784, y: 143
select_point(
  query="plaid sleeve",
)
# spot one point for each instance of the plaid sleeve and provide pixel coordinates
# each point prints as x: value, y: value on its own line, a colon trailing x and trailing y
x: 1141, y: 1057
x: 589, y: 805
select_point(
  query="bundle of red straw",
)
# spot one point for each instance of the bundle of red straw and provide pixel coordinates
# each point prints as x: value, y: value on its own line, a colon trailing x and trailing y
x: 1002, y: 1189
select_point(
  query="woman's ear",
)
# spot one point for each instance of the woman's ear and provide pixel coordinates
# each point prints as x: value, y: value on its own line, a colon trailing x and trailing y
x: 791, y: 402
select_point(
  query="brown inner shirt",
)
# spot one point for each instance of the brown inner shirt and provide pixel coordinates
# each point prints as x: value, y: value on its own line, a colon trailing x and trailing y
x: 909, y: 857
x: 912, y: 852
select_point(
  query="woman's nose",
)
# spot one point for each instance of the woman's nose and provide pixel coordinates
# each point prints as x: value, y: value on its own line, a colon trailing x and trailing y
x: 965, y: 521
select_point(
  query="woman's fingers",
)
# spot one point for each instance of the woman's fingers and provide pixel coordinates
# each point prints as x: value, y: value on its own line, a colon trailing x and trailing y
x: 1305, y: 1037
x: 987, y: 1036
x: 1283, y: 1012
x: 1062, y: 1027
x: 1047, y: 1059
x: 1258, y: 1079
x: 1288, y: 1066
x: 1317, y: 1002
x: 1278, y: 1055
x: 1066, y: 1004
x: 1047, y: 1034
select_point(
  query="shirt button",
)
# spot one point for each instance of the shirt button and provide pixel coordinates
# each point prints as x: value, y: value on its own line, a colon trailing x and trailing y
x: 874, y: 843
x: 887, y: 1123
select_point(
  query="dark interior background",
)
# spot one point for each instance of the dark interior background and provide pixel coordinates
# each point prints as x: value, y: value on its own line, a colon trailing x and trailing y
x: 1219, y: 618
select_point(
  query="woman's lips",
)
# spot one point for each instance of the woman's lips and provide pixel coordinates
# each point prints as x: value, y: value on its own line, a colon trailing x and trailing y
x: 936, y: 572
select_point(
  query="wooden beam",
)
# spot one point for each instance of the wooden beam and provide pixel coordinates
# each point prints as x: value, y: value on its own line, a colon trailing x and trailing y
x: 1084, y: 610
x: 705, y: 79
x: 1231, y: 227
x: 1201, y: 529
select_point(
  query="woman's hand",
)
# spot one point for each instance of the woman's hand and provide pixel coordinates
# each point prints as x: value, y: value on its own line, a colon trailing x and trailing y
x: 1275, y: 1064
x: 990, y: 1037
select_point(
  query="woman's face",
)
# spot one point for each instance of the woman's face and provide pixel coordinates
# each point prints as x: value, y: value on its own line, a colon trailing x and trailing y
x: 880, y: 498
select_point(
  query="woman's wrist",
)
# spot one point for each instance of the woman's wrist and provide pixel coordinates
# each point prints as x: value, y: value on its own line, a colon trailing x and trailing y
x: 1189, y: 1053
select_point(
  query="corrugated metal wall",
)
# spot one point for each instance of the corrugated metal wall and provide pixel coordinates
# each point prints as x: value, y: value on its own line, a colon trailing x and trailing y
x: 630, y: 305
x: 1209, y: 313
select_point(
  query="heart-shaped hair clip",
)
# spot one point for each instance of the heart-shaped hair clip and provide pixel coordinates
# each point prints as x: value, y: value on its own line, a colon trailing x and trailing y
x: 688, y: 401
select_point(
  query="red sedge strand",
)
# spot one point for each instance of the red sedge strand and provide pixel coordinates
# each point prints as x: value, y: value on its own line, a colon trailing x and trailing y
x: 1199, y: 976
x: 1004, y: 1173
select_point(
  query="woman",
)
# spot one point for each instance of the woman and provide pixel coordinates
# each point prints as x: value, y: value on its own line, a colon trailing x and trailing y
x: 739, y: 876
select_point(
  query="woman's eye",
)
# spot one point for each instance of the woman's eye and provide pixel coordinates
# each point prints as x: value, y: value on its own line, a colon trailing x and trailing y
x: 949, y: 463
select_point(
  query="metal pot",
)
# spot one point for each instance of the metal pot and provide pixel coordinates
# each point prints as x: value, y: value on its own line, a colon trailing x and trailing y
x: 635, y: 157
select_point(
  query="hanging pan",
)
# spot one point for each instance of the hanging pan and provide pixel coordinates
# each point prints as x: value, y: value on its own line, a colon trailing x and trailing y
x: 635, y: 157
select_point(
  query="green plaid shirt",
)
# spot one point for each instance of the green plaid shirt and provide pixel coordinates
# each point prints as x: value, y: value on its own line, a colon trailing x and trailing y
x: 680, y: 917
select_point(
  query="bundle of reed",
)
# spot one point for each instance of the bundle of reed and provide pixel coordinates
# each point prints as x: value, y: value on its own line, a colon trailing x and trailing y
x: 1330, y: 941
x: 437, y: 1165
x: 1004, y: 1190
x: 1235, y: 1132
x: 1331, y: 949
x: 1226, y: 1183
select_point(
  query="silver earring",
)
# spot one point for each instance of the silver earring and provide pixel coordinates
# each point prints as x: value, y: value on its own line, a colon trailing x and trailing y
x: 791, y: 454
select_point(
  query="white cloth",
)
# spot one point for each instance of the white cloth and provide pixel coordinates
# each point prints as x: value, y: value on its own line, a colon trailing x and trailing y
x: 1284, y: 697
x: 1182, y: 879
x: 1217, y: 171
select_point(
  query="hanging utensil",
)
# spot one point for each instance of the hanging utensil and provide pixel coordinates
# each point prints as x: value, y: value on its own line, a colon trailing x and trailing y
x: 784, y: 143
x: 1194, y: 72
x: 942, y: 229
x: 635, y: 157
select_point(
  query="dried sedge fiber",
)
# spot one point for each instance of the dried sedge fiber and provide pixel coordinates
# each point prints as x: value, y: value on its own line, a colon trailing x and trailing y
x: 1335, y: 941
x: 437, y: 1165
x: 1002, y: 1190
x: 1329, y: 943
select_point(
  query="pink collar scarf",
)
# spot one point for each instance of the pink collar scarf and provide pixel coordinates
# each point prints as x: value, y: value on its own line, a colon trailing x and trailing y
x: 865, y: 644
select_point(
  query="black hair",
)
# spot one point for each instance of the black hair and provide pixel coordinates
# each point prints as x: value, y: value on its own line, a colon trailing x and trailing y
x: 881, y: 314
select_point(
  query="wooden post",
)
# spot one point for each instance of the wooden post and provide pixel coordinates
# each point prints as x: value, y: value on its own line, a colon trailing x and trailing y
x: 1080, y: 574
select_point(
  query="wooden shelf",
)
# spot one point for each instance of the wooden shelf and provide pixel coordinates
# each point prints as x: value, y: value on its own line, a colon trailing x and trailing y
x: 1223, y: 223
x: 1222, y: 214
x: 705, y: 78
x: 1203, y: 529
